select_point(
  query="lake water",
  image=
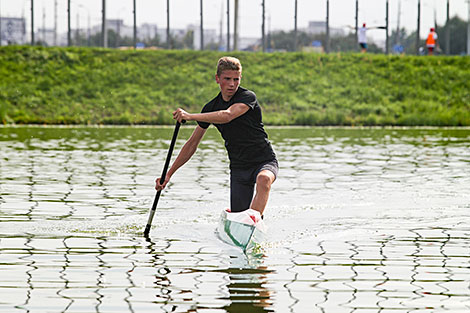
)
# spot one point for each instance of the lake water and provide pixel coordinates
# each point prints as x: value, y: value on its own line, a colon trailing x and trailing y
x: 360, y: 220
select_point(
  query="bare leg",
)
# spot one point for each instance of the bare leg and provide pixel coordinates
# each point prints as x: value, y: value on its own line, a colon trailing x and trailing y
x: 264, y: 181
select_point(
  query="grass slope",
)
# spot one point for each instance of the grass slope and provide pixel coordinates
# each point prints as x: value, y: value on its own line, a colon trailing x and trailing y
x: 104, y: 86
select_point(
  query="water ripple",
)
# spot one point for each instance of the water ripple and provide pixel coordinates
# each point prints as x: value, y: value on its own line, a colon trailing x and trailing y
x: 360, y: 220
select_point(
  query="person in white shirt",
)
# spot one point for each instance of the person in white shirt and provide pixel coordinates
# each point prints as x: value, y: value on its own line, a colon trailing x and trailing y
x: 362, y: 38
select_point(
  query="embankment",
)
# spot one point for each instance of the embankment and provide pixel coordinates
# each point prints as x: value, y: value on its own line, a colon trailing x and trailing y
x: 104, y: 86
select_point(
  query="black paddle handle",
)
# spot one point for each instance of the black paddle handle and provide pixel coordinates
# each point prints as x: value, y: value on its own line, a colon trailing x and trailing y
x: 162, y: 178
x: 170, y: 152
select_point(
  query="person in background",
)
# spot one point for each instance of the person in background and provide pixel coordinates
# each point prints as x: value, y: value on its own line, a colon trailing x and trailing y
x: 362, y: 38
x: 431, y: 41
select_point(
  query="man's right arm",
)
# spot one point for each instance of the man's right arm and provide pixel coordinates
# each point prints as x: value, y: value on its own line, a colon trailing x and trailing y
x: 215, y: 117
x: 189, y: 148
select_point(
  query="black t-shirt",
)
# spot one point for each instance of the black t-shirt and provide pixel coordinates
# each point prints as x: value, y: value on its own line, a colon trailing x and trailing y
x: 246, y: 141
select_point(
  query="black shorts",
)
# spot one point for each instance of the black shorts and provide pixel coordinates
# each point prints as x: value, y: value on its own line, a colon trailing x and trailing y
x: 242, y: 184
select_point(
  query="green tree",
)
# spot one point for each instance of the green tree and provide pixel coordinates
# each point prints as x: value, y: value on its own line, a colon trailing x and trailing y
x: 458, y: 36
x: 153, y: 42
x: 188, y: 40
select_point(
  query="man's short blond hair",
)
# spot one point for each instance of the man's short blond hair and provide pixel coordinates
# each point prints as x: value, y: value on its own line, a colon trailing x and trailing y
x: 228, y: 64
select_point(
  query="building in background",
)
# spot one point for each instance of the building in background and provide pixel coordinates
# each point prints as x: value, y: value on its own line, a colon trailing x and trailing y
x: 117, y: 25
x: 13, y: 30
x: 45, y: 36
x: 147, y: 31
x: 319, y: 27
x: 211, y: 36
x: 249, y: 43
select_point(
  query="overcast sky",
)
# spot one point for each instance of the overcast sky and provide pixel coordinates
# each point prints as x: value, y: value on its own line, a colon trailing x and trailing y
x: 279, y: 13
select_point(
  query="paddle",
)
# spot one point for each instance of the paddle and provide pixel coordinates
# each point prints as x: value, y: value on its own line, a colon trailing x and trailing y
x: 162, y: 178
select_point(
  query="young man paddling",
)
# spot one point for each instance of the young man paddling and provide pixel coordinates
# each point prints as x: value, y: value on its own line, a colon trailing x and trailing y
x: 237, y: 115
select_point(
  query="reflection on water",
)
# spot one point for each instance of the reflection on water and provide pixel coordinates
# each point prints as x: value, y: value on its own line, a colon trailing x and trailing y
x: 361, y: 220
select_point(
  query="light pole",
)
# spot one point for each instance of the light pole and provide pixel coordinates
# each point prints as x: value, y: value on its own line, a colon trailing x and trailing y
x: 69, y: 27
x: 43, y: 26
x: 356, y: 27
x: 0, y: 23
x: 77, y: 31
x: 202, y: 27
x: 468, y: 29
x: 135, y: 25
x: 295, y: 26
x: 32, y: 22
x: 327, y: 44
x: 104, y: 28
x: 235, y: 25
x: 88, y: 23
x: 418, y: 27
x: 228, y: 25
x: 55, y: 23
x: 118, y: 28
x: 168, y: 40
x: 447, y: 30
x: 263, y: 35
x: 397, y: 38
x: 387, y: 43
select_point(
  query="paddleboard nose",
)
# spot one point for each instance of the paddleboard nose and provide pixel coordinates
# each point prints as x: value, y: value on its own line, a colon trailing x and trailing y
x: 253, y: 218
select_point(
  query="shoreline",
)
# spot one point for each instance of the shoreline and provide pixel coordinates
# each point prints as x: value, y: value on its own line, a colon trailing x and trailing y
x: 191, y: 126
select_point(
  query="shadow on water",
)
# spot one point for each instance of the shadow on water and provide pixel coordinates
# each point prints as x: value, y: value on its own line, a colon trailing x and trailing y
x: 236, y: 286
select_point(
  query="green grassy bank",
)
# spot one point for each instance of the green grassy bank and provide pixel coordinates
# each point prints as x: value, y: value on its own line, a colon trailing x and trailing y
x: 98, y: 86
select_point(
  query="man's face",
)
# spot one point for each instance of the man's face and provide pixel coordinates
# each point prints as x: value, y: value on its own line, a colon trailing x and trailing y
x: 228, y: 82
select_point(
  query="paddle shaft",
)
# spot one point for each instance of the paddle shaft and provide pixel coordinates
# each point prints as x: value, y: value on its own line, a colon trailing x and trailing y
x: 162, y: 179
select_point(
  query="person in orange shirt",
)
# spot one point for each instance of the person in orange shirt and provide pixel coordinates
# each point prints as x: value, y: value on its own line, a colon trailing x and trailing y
x: 431, y: 41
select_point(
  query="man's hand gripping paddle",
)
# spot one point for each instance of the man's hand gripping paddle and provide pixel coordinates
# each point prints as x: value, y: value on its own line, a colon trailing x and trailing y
x: 162, y: 178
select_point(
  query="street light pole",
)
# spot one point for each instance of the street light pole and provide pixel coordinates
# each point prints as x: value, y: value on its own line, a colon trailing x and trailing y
x: 447, y: 31
x: 418, y: 27
x: 55, y: 23
x: 135, y: 25
x: 235, y: 25
x: 387, y: 43
x: 263, y: 35
x: 202, y: 27
x: 43, y: 26
x: 104, y: 28
x: 69, y: 27
x: 80, y: 6
x: 32, y: 22
x: 468, y: 29
x: 327, y: 48
x: 228, y: 25
x: 88, y: 30
x: 77, y: 32
x: 168, y: 41
x: 357, y: 19
x: 295, y: 26
x: 0, y: 23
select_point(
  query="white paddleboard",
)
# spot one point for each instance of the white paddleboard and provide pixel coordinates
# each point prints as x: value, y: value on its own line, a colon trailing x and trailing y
x: 242, y: 229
